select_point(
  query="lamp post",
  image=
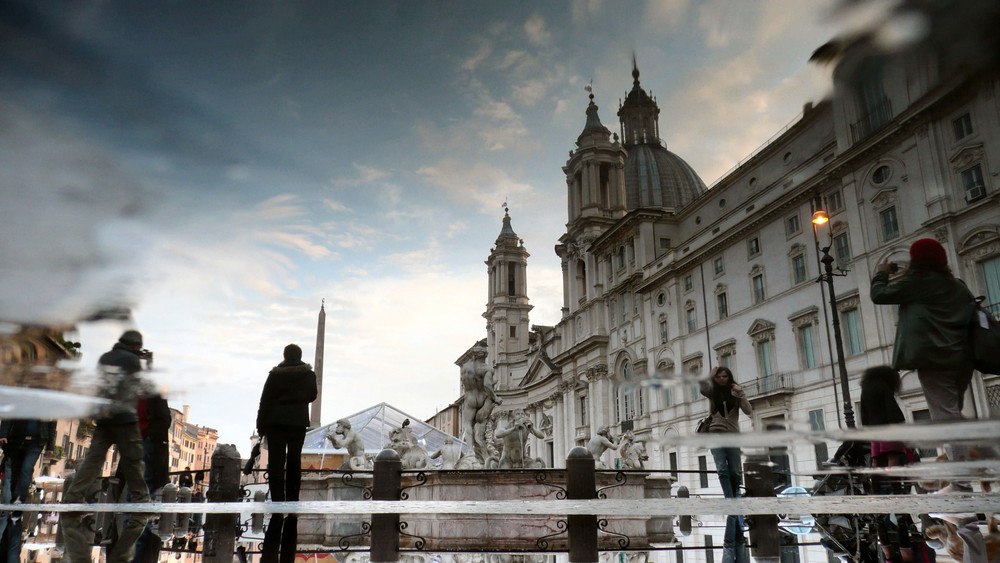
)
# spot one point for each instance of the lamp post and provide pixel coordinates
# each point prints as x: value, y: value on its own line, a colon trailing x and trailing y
x: 819, y: 218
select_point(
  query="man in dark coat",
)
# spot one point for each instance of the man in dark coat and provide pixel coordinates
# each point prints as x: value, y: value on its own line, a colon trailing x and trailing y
x: 121, y: 382
x: 282, y: 419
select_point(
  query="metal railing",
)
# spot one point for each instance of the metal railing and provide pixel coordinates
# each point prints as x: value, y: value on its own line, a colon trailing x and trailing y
x: 769, y: 384
x: 877, y: 116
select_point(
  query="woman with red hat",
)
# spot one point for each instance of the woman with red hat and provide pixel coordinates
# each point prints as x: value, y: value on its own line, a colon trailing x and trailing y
x: 932, y: 336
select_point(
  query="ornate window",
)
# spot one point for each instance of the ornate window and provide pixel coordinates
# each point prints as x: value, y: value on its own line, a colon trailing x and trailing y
x: 719, y: 266
x: 834, y: 202
x: 725, y: 351
x: 762, y: 333
x: 968, y: 164
x: 692, y: 316
x: 722, y: 305
x: 753, y: 247
x: 805, y: 323
x: 850, y: 320
x: 630, y: 404
x: 841, y: 246
x: 798, y: 257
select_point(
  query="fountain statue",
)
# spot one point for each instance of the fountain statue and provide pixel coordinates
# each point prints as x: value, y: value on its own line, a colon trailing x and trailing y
x: 479, y: 400
x: 600, y: 443
x: 515, y: 441
x: 345, y: 438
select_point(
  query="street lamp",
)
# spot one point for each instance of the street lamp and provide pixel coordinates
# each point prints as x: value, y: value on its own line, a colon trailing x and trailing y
x: 820, y: 218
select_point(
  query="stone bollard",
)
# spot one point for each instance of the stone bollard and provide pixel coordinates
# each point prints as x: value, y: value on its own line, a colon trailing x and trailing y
x: 386, y: 485
x: 223, y: 486
x: 581, y: 485
x: 765, y: 541
x: 660, y: 531
x: 684, y: 522
x: 257, y: 519
x: 165, y: 528
x: 182, y: 520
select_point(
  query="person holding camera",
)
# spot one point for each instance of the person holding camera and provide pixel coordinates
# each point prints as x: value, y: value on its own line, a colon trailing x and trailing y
x: 121, y: 382
x: 932, y: 335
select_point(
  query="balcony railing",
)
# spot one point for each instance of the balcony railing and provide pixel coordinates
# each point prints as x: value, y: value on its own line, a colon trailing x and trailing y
x: 769, y: 385
x: 872, y: 121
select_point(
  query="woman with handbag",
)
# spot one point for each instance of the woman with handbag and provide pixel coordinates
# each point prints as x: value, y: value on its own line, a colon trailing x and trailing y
x: 726, y: 400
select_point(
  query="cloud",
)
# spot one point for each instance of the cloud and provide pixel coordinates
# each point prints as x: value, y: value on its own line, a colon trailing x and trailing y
x: 665, y: 15
x: 585, y: 10
x: 534, y: 28
x: 472, y: 62
x: 335, y: 205
x: 477, y: 183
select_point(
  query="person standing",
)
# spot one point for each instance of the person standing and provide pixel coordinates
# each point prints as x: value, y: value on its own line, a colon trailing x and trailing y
x: 726, y: 400
x: 282, y: 419
x: 23, y: 442
x: 121, y: 382
x: 932, y: 335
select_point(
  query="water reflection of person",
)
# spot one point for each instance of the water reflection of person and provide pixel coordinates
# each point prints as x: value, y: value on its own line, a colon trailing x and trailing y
x: 118, y: 426
x: 726, y: 400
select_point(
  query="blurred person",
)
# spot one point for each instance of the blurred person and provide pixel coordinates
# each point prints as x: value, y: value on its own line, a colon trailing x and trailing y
x: 282, y: 419
x: 120, y: 381
x: 879, y: 388
x: 932, y: 335
x: 23, y: 442
x: 726, y: 400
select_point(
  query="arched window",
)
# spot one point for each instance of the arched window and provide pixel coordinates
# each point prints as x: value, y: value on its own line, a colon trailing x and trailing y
x: 630, y: 403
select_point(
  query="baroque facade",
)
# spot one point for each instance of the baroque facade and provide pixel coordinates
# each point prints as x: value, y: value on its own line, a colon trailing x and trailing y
x: 664, y: 278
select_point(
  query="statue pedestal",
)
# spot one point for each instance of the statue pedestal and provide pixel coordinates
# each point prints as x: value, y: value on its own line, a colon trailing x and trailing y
x: 459, y: 531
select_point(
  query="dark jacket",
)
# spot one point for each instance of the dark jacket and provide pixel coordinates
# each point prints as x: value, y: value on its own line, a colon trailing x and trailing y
x: 19, y: 433
x: 729, y: 420
x: 289, y: 389
x: 154, y: 423
x: 878, y: 403
x: 934, y: 314
x: 121, y: 383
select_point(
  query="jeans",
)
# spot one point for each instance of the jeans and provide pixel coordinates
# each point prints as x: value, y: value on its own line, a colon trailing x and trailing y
x: 127, y: 440
x: 284, y: 444
x: 22, y: 462
x: 729, y: 465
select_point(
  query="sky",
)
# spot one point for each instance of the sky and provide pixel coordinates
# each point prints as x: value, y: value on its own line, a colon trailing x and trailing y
x: 223, y: 168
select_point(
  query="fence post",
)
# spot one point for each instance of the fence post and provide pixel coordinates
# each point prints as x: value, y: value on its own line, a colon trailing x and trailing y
x: 581, y: 485
x: 386, y: 485
x: 223, y: 486
x: 765, y: 542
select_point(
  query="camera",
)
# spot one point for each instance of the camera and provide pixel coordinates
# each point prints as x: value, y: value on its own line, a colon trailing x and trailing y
x: 893, y: 267
x: 146, y: 355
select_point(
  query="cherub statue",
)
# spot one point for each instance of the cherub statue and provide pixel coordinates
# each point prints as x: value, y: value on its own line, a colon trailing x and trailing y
x: 351, y: 441
x: 600, y: 443
x: 633, y: 453
x: 450, y: 454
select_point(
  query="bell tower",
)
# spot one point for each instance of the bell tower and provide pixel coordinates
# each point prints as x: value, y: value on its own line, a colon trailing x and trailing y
x: 595, y: 183
x: 507, y: 305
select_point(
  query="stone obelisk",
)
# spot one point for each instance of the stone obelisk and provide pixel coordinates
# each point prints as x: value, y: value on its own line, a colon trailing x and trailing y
x: 317, y: 406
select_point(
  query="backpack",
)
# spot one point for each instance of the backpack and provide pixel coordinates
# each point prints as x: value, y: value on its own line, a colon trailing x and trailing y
x: 984, y: 337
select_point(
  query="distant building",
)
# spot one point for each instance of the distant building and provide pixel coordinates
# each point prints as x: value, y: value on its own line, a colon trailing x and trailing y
x: 190, y: 445
x: 447, y: 419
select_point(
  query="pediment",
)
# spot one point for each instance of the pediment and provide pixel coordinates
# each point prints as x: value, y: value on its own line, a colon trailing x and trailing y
x: 760, y: 325
x: 967, y: 156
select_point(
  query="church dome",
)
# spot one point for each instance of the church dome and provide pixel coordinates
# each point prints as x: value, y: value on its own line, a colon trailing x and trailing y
x: 654, y: 176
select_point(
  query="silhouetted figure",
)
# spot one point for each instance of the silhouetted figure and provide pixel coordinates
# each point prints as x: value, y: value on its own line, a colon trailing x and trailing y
x: 282, y: 419
x: 117, y: 425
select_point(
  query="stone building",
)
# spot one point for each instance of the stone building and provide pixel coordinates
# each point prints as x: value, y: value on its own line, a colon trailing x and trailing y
x: 664, y: 278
